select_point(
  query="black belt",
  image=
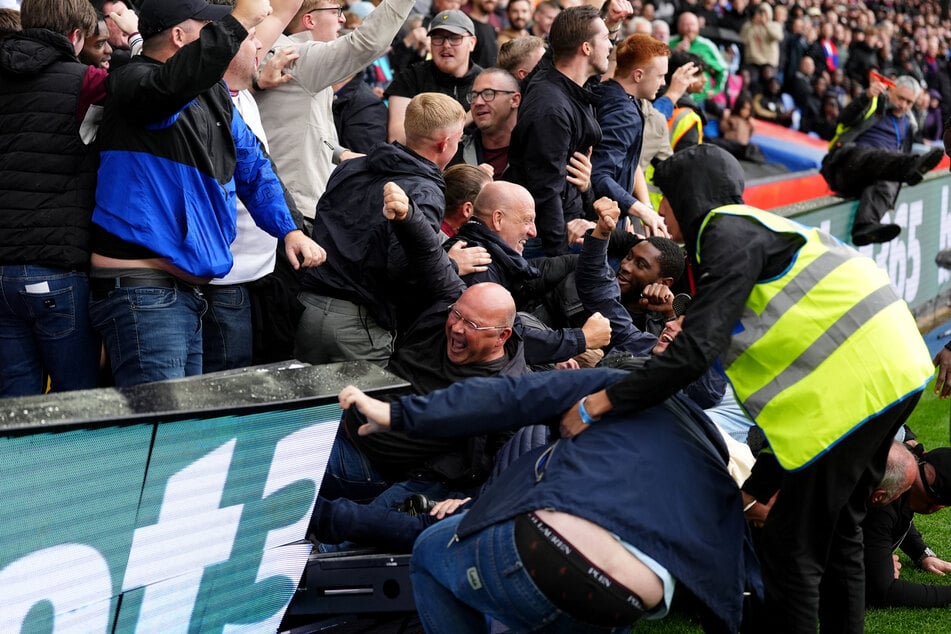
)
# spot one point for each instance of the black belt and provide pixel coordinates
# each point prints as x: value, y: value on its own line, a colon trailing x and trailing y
x: 101, y: 286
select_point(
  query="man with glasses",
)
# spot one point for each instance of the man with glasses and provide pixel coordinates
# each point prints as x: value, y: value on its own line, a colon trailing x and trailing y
x: 892, y: 527
x: 450, y: 71
x: 494, y: 100
x: 298, y: 114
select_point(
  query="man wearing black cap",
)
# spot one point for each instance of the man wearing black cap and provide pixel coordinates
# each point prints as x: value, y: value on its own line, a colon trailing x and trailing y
x: 893, y: 527
x: 450, y: 71
x: 173, y: 157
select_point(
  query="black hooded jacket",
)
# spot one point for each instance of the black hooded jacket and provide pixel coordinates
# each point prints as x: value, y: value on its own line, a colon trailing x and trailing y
x: 737, y: 252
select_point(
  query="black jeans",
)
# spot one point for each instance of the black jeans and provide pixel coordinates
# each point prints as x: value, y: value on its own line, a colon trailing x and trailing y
x: 811, y: 543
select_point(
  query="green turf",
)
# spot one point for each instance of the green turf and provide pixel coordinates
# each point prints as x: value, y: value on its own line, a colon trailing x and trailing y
x: 931, y: 421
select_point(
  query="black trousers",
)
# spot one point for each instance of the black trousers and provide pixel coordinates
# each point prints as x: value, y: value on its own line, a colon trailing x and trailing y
x: 871, y: 174
x: 811, y: 543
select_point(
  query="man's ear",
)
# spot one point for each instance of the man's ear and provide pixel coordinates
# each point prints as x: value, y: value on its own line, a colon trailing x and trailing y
x: 497, y: 216
x: 77, y: 39
x: 666, y: 281
x: 467, y: 209
x: 504, y: 336
x: 638, y: 74
x: 878, y: 496
x: 517, y: 99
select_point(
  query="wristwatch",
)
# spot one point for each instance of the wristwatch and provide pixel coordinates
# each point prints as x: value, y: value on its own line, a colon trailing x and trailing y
x: 928, y: 553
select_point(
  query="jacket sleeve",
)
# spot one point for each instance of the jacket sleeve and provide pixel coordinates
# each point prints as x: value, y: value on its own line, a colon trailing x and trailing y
x: 664, y: 106
x: 153, y: 92
x: 618, y: 134
x: 256, y: 182
x: 323, y: 64
x: 489, y: 404
x: 599, y: 292
x: 425, y: 257
x: 881, y: 587
x: 550, y: 346
x: 855, y: 112
x: 735, y: 253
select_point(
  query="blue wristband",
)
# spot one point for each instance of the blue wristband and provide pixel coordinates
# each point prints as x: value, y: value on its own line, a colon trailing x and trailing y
x: 583, y: 413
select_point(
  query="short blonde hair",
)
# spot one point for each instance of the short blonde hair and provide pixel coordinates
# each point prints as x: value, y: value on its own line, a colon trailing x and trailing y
x: 428, y: 113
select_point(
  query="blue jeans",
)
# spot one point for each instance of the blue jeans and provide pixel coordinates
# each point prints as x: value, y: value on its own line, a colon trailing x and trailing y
x: 151, y: 334
x: 226, y: 328
x: 458, y: 583
x: 349, y: 473
x: 44, y: 330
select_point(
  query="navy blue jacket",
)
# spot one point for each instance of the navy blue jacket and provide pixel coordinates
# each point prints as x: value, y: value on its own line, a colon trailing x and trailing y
x: 615, y: 158
x: 657, y: 479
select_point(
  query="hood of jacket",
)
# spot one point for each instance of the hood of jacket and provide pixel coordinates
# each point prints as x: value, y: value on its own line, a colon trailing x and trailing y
x: 398, y: 160
x: 696, y: 180
x: 29, y: 52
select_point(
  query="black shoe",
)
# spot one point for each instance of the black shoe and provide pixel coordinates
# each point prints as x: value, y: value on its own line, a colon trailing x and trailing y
x: 416, y: 504
x: 874, y: 234
x: 923, y: 164
x: 943, y: 259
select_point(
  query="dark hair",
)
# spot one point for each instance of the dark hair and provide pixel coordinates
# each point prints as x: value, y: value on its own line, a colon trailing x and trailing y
x: 671, y: 257
x: 571, y: 29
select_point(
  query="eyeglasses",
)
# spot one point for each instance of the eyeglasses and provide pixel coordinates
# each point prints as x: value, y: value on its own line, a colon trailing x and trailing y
x: 338, y: 9
x: 455, y: 315
x: 488, y: 94
x: 439, y: 40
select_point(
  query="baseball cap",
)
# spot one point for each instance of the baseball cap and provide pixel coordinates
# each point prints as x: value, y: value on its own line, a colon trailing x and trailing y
x: 940, y: 459
x: 157, y: 15
x: 454, y: 21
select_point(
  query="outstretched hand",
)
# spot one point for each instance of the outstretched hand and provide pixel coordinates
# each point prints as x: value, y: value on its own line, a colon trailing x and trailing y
x: 608, y: 214
x: 377, y: 412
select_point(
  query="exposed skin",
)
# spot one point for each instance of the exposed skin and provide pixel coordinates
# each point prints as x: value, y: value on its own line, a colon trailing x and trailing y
x: 484, y: 304
x: 96, y: 49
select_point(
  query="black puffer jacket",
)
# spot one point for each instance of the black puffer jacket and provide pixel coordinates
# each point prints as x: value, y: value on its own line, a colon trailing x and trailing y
x: 47, y: 172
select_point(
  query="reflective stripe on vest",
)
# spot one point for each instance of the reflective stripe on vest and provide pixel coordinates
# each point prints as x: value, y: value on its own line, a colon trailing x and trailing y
x: 822, y: 347
x: 681, y: 122
x: 841, y: 128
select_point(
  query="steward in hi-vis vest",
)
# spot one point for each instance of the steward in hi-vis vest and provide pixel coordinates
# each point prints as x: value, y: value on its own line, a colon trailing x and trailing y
x: 822, y: 353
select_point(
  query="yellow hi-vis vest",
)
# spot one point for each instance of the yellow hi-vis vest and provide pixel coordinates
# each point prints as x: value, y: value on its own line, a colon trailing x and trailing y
x: 822, y: 347
x: 682, y: 121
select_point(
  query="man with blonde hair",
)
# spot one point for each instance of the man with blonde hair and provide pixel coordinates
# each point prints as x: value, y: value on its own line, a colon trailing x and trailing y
x: 350, y: 307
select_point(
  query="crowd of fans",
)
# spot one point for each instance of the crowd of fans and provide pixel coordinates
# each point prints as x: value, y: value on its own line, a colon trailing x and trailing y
x: 451, y: 191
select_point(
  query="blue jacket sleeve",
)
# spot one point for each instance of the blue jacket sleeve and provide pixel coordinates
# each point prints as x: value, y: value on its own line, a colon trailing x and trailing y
x: 599, y: 292
x: 257, y: 184
x: 610, y: 157
x: 550, y: 346
x: 664, y: 106
x: 490, y: 404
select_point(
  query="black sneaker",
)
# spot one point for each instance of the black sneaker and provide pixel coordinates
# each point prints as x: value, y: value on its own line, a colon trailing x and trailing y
x: 874, y: 234
x: 924, y: 163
